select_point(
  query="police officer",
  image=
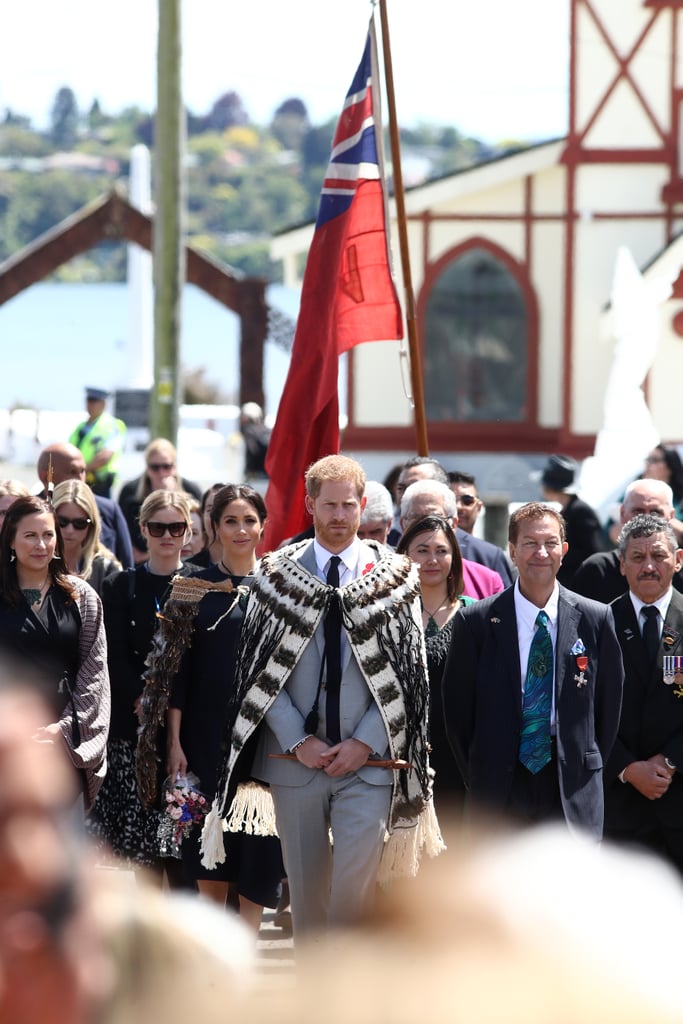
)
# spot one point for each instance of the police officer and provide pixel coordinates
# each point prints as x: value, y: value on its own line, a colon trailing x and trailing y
x: 100, y: 439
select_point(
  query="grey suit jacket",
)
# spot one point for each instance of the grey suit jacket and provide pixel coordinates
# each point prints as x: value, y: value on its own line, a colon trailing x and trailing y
x: 360, y: 717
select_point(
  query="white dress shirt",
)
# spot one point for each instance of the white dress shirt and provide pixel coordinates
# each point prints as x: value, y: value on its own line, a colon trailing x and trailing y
x: 348, y: 567
x: 662, y: 606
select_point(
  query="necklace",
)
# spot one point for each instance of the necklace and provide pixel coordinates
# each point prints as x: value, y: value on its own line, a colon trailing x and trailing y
x: 432, y: 627
x: 231, y: 573
x: 33, y: 595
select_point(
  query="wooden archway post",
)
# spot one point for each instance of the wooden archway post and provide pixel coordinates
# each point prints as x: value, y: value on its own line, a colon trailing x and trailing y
x: 169, y: 225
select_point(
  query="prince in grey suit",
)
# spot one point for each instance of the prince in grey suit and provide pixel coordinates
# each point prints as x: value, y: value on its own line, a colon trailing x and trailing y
x: 323, y: 784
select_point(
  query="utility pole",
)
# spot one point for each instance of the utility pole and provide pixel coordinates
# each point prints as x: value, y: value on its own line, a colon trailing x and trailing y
x: 169, y: 224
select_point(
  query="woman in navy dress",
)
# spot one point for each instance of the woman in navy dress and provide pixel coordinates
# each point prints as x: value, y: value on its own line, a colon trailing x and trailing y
x: 199, y: 700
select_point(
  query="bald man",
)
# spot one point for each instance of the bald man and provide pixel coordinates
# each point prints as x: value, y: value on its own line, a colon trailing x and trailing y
x: 69, y: 464
x: 599, y: 576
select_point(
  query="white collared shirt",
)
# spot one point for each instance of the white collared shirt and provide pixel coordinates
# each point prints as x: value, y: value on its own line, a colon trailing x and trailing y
x: 661, y: 604
x: 348, y: 567
x: 526, y: 613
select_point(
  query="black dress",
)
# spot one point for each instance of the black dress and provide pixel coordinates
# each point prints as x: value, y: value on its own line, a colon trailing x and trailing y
x: 63, y: 644
x: 46, y: 638
x: 131, y: 601
x: 202, y: 690
x: 449, y: 788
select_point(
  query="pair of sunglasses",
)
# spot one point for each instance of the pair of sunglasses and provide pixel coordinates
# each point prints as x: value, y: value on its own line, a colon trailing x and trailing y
x: 466, y: 499
x: 156, y: 467
x: 159, y: 529
x: 82, y: 523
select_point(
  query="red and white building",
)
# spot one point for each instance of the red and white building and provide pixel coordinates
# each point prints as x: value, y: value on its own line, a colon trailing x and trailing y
x: 513, y: 263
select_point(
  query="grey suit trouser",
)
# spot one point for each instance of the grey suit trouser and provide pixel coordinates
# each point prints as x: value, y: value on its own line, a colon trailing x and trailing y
x: 331, y: 887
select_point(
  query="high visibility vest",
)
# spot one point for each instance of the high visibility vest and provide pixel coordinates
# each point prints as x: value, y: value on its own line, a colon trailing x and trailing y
x: 106, y: 432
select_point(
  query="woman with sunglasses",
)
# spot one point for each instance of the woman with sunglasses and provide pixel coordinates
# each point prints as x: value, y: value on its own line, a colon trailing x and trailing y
x: 132, y: 601
x: 194, y: 662
x: 79, y: 522
x: 52, y: 622
x: 160, y: 473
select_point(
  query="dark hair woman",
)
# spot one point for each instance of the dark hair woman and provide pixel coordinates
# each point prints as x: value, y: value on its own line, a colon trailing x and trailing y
x: 194, y: 661
x: 431, y: 542
x: 665, y: 464
x: 211, y: 552
x: 54, y: 621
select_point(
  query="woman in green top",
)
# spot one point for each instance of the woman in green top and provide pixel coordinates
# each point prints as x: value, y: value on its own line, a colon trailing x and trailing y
x: 431, y: 543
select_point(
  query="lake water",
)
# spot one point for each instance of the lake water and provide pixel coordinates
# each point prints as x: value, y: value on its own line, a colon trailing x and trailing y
x: 58, y: 338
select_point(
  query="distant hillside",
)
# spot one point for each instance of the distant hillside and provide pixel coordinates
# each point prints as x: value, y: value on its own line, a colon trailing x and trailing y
x: 245, y: 181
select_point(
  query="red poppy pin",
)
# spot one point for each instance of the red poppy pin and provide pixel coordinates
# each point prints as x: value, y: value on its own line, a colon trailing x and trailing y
x: 368, y: 568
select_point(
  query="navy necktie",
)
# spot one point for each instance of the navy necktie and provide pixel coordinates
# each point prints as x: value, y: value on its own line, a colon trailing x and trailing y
x: 333, y: 625
x: 651, y: 631
x: 534, y: 744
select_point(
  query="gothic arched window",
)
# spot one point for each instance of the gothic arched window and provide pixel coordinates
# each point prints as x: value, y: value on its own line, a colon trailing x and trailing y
x: 475, y: 342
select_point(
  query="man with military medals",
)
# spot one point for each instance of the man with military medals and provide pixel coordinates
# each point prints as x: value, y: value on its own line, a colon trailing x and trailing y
x: 643, y: 787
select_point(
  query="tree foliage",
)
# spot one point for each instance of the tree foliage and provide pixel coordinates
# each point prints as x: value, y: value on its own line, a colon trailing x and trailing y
x: 290, y: 123
x: 245, y: 182
x: 64, y: 119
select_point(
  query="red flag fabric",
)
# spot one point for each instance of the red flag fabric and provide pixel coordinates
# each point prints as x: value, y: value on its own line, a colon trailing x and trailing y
x: 348, y: 297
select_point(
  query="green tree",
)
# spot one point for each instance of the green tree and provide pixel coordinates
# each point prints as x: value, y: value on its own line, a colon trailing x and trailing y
x: 17, y: 140
x: 227, y: 111
x: 64, y: 119
x: 290, y: 123
x: 317, y: 145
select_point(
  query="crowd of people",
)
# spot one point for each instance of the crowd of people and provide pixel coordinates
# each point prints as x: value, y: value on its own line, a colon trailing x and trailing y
x: 332, y: 704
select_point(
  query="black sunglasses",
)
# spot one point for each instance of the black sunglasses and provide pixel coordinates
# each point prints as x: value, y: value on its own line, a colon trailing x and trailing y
x: 82, y: 523
x: 159, y: 529
x: 156, y: 467
x: 466, y: 499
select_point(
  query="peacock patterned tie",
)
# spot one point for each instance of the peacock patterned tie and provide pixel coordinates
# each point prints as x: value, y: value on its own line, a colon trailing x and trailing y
x: 534, y: 744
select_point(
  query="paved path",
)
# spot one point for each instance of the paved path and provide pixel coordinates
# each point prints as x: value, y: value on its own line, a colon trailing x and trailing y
x: 275, y: 951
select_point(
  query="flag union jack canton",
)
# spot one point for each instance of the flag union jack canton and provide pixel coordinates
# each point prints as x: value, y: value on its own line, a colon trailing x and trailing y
x: 354, y: 148
x: 348, y: 297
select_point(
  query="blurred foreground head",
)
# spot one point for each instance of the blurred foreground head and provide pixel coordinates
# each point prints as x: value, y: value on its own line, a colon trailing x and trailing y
x: 81, y: 945
x: 527, y: 928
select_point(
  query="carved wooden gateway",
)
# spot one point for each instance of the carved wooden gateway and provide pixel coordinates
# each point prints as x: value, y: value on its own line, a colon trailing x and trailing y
x: 112, y: 218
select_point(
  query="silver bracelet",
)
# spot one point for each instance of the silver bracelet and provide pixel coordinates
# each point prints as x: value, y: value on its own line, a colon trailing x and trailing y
x: 296, y: 746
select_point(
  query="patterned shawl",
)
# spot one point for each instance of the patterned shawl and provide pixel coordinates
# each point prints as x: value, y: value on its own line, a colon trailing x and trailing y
x: 382, y: 617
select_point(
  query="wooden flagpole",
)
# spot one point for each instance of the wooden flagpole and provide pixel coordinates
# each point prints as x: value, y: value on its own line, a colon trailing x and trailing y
x: 397, y: 173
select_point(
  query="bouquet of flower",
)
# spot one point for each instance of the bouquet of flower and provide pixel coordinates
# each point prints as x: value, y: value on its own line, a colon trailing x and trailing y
x: 184, y: 805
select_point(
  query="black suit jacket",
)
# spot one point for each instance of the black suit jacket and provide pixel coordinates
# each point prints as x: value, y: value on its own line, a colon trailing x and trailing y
x: 585, y: 537
x: 114, y: 532
x: 476, y: 550
x: 482, y: 698
x: 651, y: 723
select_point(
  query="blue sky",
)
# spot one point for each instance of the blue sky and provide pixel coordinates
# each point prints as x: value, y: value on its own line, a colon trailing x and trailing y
x: 492, y: 68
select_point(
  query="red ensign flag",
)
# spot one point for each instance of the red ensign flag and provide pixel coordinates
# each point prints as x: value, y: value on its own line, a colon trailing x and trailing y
x: 348, y: 297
